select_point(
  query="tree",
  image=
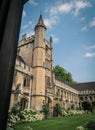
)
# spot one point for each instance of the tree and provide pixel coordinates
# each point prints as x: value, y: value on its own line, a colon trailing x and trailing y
x: 57, y: 110
x: 61, y: 73
x: 45, y: 109
x: 86, y: 105
x: 90, y: 125
x: 93, y: 106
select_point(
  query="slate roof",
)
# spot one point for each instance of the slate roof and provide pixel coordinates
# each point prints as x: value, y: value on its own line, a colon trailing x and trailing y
x: 61, y: 80
x: 84, y: 86
x: 80, y: 86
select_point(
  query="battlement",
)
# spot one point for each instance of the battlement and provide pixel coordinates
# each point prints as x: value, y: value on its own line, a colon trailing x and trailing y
x: 26, y: 40
x: 24, y: 68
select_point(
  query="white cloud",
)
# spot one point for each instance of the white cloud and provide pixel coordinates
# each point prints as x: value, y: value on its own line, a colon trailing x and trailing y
x: 30, y: 22
x: 69, y: 7
x: 53, y: 11
x: 65, y: 8
x: 61, y: 8
x: 92, y: 23
x: 90, y: 54
x: 55, y: 39
x: 24, y: 13
x: 81, y: 4
x: 89, y: 25
x: 73, y: 7
x: 29, y: 34
x: 91, y: 47
x: 84, y: 28
x: 50, y: 22
x: 27, y: 25
x: 32, y: 2
x: 82, y: 19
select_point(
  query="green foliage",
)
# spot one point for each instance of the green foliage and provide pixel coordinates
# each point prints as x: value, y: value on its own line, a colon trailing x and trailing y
x: 23, y: 116
x: 71, y: 112
x: 93, y: 106
x: 57, y: 110
x: 93, y: 103
x: 16, y: 109
x: 27, y: 128
x: 61, y: 73
x: 45, y: 109
x: 90, y: 125
x: 75, y: 112
x: 13, y: 119
x: 30, y: 115
x: 86, y: 105
x: 9, y: 128
x: 62, y: 123
x: 80, y: 128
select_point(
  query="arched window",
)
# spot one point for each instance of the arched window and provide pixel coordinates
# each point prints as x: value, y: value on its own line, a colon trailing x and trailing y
x: 28, y: 81
x: 24, y: 82
x: 24, y: 104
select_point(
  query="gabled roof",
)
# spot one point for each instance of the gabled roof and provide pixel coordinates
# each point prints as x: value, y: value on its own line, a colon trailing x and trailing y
x: 84, y: 86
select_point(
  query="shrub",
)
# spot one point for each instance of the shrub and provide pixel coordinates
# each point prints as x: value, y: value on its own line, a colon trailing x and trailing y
x: 27, y: 128
x: 45, y: 109
x: 86, y: 105
x: 64, y: 113
x: 24, y: 116
x: 13, y: 119
x: 9, y: 128
x: 16, y: 109
x: 75, y: 112
x: 90, y: 125
x: 57, y: 110
x: 30, y: 115
x: 93, y: 106
x: 80, y: 128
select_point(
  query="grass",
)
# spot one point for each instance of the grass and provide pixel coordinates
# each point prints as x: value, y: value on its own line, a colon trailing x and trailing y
x: 63, y: 123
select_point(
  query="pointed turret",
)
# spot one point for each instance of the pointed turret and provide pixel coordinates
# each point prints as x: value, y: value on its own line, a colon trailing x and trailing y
x: 40, y: 23
x: 39, y: 65
x: 51, y: 39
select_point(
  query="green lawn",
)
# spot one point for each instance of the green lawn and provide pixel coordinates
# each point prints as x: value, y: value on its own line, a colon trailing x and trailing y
x: 63, y: 123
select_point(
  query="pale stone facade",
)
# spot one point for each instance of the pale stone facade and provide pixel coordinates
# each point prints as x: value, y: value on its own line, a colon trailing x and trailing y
x: 34, y: 82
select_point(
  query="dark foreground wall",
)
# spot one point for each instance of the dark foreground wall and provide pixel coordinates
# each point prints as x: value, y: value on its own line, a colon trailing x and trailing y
x: 10, y: 20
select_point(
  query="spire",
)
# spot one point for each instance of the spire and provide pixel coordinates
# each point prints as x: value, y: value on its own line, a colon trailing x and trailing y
x: 40, y: 23
x: 51, y: 39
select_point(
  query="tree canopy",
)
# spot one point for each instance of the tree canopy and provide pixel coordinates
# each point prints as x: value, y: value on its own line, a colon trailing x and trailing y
x: 61, y: 73
x: 86, y: 105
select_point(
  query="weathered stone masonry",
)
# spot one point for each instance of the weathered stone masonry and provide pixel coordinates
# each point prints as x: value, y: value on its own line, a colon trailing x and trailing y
x: 34, y: 82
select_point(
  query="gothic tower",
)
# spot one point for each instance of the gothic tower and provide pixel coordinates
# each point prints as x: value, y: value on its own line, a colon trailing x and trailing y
x: 38, y: 90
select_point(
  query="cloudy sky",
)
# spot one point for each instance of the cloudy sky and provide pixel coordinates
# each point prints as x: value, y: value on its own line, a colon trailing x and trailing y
x: 71, y: 23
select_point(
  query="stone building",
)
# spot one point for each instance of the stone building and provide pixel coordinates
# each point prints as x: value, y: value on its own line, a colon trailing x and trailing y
x: 34, y: 82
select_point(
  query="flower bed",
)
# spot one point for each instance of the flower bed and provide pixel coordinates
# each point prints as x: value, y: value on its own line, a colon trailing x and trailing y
x: 72, y: 112
x: 24, y: 116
